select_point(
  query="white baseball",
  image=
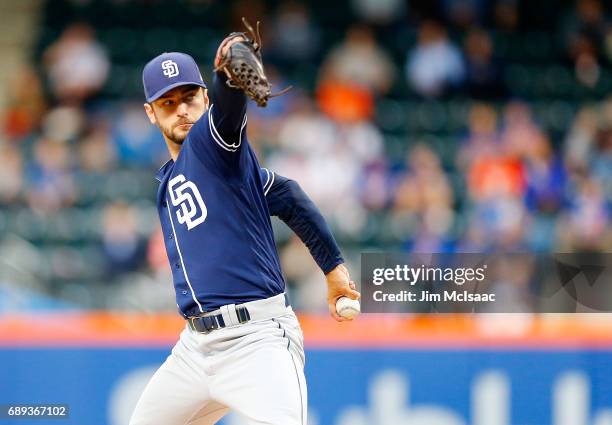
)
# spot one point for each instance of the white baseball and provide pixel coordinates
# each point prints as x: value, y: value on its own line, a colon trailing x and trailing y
x: 347, y: 307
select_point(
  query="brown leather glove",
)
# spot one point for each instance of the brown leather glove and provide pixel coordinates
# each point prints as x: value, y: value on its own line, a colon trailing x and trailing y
x: 242, y: 64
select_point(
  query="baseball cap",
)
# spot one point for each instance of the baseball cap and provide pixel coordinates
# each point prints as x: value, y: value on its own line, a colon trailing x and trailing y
x: 167, y: 71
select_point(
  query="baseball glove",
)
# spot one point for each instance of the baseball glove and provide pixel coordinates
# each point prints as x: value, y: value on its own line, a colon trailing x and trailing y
x: 243, y: 65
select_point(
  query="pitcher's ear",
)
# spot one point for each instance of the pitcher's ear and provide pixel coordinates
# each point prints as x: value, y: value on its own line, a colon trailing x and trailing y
x: 149, y: 110
x: 206, y: 100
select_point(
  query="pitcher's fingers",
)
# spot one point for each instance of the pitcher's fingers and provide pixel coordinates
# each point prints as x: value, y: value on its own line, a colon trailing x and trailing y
x: 352, y: 294
x: 335, y: 315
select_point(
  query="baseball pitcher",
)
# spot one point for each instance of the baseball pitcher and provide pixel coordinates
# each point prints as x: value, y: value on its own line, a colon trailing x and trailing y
x: 242, y: 346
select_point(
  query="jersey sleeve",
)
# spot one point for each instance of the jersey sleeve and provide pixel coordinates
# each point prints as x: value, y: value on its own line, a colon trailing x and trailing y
x: 227, y: 140
x: 228, y: 110
x: 220, y: 134
x: 287, y: 201
x: 267, y: 179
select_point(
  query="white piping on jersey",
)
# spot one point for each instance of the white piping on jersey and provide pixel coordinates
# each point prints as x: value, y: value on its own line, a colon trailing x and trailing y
x: 269, y: 179
x: 160, y: 168
x: 231, y: 147
x: 176, y: 242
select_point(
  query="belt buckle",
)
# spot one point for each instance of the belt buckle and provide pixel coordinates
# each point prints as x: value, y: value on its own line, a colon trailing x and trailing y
x: 207, y: 329
x: 192, y: 325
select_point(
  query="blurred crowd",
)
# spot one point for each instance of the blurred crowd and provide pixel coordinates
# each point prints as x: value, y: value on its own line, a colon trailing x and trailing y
x: 77, y: 186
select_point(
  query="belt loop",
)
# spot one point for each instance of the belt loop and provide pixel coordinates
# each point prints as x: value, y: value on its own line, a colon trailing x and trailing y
x: 230, y: 310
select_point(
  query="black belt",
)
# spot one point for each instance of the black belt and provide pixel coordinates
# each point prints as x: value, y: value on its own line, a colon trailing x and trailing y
x: 206, y: 324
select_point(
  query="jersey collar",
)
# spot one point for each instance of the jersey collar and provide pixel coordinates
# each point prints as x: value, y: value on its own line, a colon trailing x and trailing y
x: 161, y: 173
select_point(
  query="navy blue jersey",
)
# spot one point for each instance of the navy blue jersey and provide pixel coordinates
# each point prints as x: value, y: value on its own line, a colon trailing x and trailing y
x: 216, y: 222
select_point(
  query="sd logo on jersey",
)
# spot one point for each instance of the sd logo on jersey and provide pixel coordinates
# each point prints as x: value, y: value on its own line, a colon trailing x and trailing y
x: 187, y: 196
